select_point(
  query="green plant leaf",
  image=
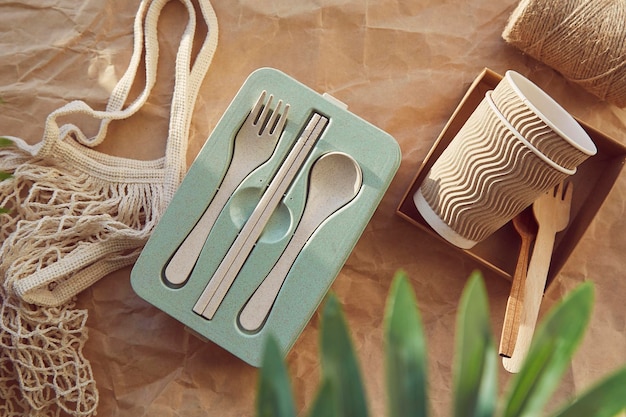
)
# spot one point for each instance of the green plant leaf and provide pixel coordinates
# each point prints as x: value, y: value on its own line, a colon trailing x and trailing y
x: 475, y: 371
x: 551, y: 350
x: 325, y: 404
x: 274, y: 396
x: 339, y: 363
x: 405, y: 350
x: 4, y: 175
x: 604, y: 399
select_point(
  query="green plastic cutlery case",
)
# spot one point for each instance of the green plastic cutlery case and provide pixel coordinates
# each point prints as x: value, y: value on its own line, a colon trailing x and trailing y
x: 324, y: 254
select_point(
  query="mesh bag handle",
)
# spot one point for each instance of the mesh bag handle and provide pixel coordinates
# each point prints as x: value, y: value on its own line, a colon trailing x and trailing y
x: 97, y: 213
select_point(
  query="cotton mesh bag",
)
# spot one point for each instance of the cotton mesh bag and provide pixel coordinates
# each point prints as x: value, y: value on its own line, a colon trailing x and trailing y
x: 75, y: 215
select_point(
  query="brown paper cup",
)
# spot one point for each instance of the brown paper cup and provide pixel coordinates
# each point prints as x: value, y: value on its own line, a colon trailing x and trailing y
x: 486, y: 176
x: 542, y: 121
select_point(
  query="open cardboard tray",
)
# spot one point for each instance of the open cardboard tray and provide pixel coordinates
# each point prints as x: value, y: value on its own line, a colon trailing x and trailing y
x: 592, y: 182
x: 320, y: 260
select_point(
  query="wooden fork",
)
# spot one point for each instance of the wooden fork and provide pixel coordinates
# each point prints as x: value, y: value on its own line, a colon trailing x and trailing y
x: 552, y: 212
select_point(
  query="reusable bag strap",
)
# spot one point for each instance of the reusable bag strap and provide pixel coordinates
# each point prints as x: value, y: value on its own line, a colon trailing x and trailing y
x: 108, y: 206
x: 187, y: 81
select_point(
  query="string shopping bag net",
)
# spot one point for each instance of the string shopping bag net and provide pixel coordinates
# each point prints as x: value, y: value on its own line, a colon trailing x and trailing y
x: 75, y: 215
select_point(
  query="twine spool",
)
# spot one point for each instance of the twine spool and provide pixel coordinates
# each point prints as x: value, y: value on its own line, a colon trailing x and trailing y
x: 584, y: 40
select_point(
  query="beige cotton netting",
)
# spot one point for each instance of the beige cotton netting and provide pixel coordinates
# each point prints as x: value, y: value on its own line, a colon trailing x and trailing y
x: 75, y: 215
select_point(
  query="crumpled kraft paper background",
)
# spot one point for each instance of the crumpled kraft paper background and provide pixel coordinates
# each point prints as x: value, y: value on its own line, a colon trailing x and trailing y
x: 401, y: 65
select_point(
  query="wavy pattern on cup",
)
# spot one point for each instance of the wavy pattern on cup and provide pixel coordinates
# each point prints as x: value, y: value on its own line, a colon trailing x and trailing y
x: 542, y: 136
x: 481, y: 153
x: 536, y: 128
x: 453, y: 163
x: 503, y: 201
x: 486, y: 176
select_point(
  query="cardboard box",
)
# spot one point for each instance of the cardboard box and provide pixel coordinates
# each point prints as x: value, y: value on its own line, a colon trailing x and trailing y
x: 592, y: 183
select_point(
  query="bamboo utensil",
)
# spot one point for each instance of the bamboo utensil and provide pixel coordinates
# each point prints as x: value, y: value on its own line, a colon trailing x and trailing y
x: 552, y: 212
x: 219, y: 284
x: 526, y: 226
x: 253, y: 145
x: 334, y: 181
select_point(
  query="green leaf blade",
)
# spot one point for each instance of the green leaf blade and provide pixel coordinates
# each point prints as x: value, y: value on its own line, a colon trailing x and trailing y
x: 325, y: 403
x: 475, y: 377
x: 605, y: 399
x: 339, y: 362
x: 552, y: 348
x: 274, y: 396
x: 4, y: 175
x: 405, y: 352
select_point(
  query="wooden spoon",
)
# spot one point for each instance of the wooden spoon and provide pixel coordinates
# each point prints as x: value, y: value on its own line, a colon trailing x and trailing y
x: 526, y: 226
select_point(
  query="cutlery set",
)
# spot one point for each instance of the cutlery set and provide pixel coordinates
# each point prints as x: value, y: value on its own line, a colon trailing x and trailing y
x: 552, y: 214
x: 273, y: 205
x: 266, y: 216
x: 232, y: 263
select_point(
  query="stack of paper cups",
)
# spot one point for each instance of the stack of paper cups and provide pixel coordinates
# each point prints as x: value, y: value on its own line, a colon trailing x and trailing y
x: 517, y: 144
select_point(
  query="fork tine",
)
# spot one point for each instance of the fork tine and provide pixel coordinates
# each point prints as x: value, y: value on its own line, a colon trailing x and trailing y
x: 255, y: 113
x: 266, y: 112
x: 568, y: 191
x: 281, y: 121
x: 277, y: 121
x: 557, y: 191
x: 269, y: 125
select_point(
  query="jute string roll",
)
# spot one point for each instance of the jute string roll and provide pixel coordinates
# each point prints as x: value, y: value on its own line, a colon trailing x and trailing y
x: 584, y: 40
